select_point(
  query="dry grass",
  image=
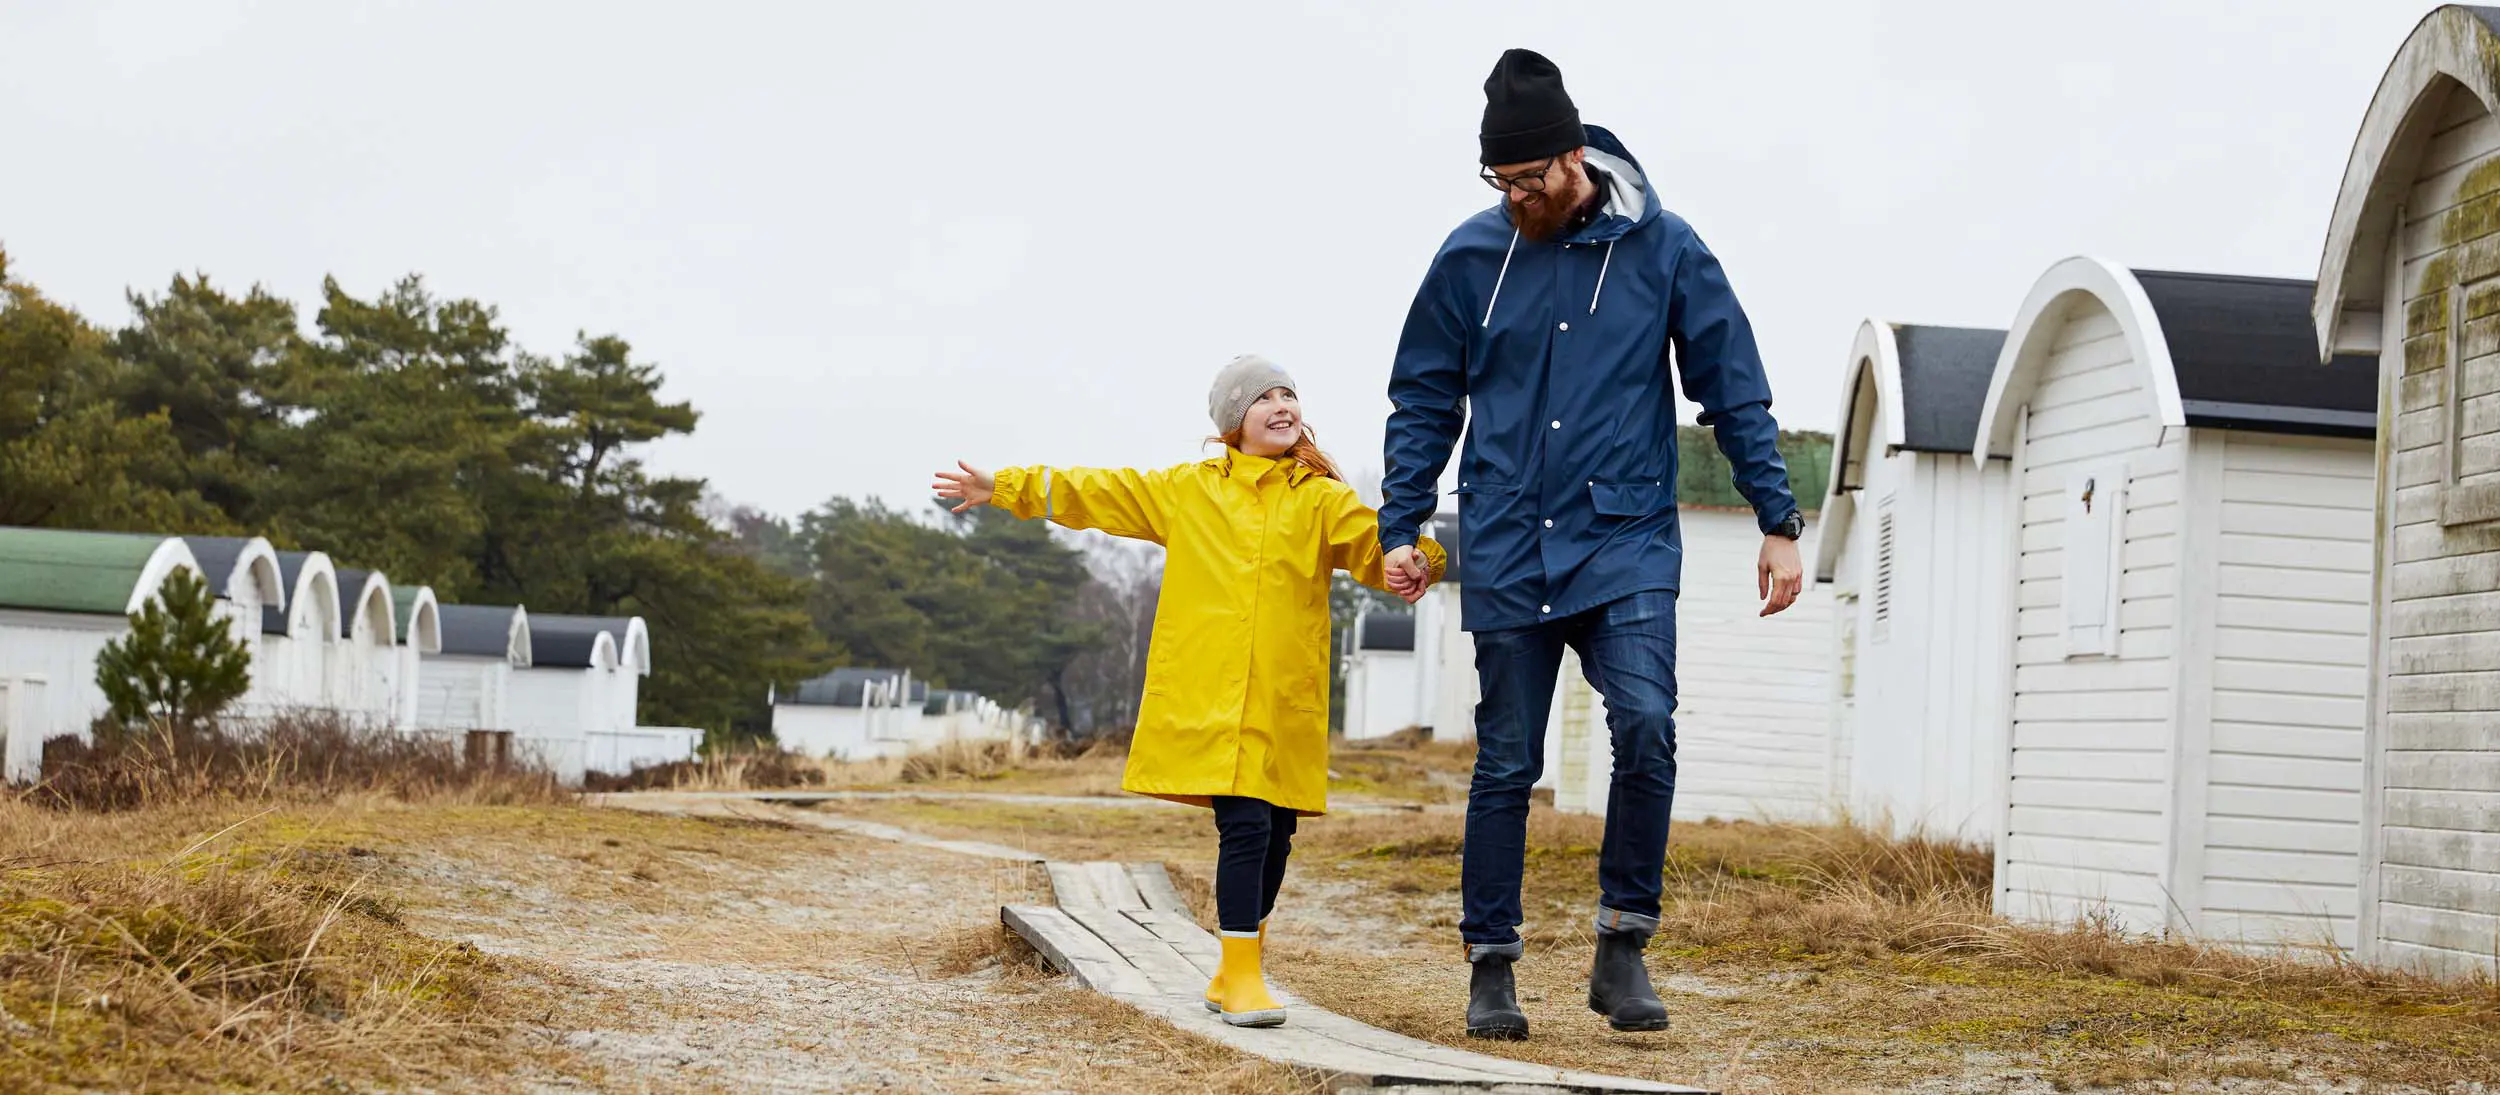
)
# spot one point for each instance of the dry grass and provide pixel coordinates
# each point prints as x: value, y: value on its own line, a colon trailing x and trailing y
x: 1811, y: 958
x: 304, y: 756
x: 1092, y: 769
x: 182, y: 946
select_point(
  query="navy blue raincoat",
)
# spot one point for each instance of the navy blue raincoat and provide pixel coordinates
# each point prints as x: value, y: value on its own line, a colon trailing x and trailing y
x: 1560, y: 350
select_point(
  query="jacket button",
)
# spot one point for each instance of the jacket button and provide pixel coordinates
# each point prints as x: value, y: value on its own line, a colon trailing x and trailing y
x: 1558, y: 423
x: 1564, y: 326
x: 1549, y: 522
x: 1547, y: 609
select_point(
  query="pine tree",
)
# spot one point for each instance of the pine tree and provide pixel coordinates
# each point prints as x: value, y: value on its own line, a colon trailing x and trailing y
x: 179, y: 663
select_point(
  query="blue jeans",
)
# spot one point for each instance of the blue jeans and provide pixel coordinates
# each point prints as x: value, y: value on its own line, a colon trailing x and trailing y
x: 1627, y: 649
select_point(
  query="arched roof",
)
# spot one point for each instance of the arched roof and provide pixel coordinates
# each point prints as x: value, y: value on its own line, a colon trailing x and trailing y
x: 2454, y: 46
x: 1908, y: 387
x: 93, y: 573
x: 487, y: 631
x: 567, y: 637
x: 2217, y: 350
x: 366, y: 592
x: 308, y: 575
x: 577, y: 642
x: 420, y: 618
x: 235, y: 563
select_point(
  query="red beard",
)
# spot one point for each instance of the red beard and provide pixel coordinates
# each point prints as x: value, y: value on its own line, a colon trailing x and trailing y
x: 1544, y: 218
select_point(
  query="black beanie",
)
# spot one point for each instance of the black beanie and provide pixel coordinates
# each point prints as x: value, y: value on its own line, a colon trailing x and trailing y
x: 1527, y: 114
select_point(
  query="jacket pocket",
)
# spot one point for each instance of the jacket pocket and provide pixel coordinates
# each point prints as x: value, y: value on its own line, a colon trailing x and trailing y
x: 1627, y: 499
x: 1478, y: 486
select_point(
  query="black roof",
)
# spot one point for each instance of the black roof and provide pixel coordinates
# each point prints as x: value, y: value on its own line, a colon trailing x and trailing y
x: 290, y: 567
x: 566, y: 642
x: 1388, y: 631
x: 217, y: 556
x: 1945, y: 373
x: 476, y: 631
x: 352, y: 584
x: 845, y: 687
x: 2246, y: 352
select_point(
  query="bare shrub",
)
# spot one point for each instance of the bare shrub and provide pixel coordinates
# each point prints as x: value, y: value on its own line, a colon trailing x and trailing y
x: 297, y: 755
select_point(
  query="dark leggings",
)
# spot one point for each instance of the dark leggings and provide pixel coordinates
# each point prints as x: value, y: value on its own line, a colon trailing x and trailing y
x: 1254, y: 839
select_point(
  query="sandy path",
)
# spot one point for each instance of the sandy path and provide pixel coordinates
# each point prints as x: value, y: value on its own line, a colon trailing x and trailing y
x: 692, y: 956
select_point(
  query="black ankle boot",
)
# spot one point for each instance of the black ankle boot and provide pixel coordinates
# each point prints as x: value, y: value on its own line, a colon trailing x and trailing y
x: 1619, y: 986
x: 1493, y: 1002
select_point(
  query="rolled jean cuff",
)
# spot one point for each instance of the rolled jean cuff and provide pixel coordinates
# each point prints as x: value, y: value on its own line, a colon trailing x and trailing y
x: 1487, y: 952
x: 1616, y: 921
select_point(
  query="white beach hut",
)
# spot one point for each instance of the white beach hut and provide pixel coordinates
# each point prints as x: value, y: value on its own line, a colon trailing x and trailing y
x: 851, y: 714
x: 363, y: 672
x: 567, y: 692
x: 245, y: 573
x: 2189, y: 579
x: 2409, y: 272
x: 301, y: 639
x: 1907, y: 532
x: 1384, y: 678
x: 63, y: 596
x: 420, y: 622
x: 466, y: 685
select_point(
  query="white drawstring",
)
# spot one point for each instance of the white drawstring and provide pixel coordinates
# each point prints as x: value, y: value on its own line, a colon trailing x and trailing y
x: 1601, y: 276
x: 1497, y: 279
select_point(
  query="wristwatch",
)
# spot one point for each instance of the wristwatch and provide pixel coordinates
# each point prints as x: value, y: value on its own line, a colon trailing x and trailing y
x: 1792, y: 528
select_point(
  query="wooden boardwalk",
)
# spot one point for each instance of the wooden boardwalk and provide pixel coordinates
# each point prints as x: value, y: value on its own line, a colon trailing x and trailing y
x: 1123, y: 931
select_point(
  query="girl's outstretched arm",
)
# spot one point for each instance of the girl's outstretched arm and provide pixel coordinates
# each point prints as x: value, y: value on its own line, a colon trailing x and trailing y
x: 1354, y: 543
x: 1120, y: 501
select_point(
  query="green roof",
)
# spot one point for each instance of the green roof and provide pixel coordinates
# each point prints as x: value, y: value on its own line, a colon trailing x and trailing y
x: 1703, y: 478
x: 404, y: 606
x: 54, y: 570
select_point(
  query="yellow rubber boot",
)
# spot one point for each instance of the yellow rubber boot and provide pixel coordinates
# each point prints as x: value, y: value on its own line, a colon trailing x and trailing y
x: 1239, y: 991
x: 1214, y: 1004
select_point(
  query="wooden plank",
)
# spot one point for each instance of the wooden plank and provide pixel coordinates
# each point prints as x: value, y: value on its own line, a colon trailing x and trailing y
x: 1071, y: 886
x: 1171, y: 973
x: 1070, y: 948
x: 1154, y: 883
x: 1185, y: 937
x: 1111, y: 883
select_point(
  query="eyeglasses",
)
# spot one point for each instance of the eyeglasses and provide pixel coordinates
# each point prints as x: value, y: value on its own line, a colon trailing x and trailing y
x: 1532, y: 182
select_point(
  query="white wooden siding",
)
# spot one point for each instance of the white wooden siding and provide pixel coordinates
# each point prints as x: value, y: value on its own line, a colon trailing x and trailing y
x: 1753, y: 716
x: 60, y: 648
x: 1926, y: 751
x: 462, y: 693
x: 2286, y: 580
x: 1753, y: 720
x: 2435, y: 861
x: 2087, y: 818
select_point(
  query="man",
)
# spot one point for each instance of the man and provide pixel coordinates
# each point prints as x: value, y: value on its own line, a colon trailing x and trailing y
x: 1544, y: 326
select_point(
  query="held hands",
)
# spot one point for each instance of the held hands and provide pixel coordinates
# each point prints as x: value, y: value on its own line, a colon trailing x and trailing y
x: 1778, y: 574
x: 971, y: 487
x: 1407, y: 574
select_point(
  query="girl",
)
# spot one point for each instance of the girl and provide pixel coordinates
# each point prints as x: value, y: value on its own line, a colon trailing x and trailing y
x: 1235, y: 715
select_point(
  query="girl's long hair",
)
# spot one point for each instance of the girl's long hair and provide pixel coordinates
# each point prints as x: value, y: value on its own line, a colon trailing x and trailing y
x: 1305, y: 451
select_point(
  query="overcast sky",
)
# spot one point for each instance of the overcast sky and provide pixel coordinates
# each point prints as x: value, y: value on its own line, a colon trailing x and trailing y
x: 866, y: 238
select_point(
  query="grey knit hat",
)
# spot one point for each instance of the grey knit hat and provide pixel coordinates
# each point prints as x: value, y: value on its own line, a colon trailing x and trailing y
x: 1237, y: 387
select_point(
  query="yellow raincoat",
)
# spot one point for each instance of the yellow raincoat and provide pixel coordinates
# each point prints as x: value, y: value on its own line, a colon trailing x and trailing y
x: 1237, y: 674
